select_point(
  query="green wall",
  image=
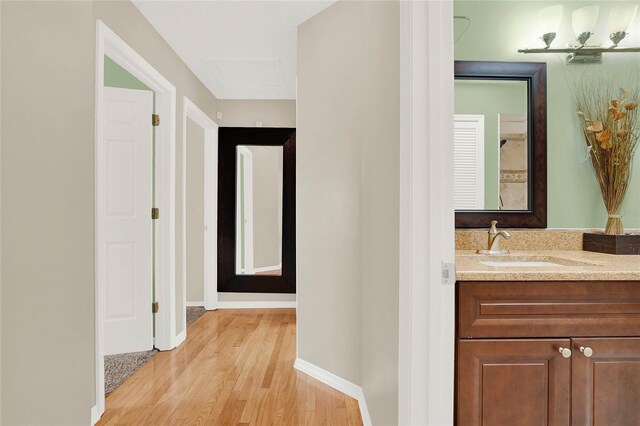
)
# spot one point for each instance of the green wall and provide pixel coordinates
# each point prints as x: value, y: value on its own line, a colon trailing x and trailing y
x: 490, y: 99
x: 498, y: 30
x: 116, y: 76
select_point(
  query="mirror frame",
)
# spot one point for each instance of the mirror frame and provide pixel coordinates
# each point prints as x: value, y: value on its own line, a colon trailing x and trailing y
x: 228, y: 140
x: 535, y: 74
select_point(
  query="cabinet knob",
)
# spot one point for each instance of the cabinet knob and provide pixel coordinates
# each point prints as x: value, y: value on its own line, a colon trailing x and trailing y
x: 566, y: 352
x: 586, y: 351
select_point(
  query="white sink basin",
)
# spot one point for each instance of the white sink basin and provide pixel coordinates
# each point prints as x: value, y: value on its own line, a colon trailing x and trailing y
x: 519, y: 263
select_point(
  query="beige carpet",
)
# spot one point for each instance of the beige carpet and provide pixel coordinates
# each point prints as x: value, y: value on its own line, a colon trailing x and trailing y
x: 193, y: 313
x: 118, y: 368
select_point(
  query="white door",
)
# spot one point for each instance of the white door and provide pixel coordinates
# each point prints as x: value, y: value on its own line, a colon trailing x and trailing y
x: 244, y: 212
x: 125, y: 201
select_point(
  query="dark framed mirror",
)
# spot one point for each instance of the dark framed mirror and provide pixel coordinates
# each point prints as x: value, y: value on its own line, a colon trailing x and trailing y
x: 256, y: 210
x: 500, y: 138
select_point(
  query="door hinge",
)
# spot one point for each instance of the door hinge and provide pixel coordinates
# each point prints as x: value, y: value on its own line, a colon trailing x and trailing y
x: 155, y: 120
x: 154, y: 307
x: 155, y: 213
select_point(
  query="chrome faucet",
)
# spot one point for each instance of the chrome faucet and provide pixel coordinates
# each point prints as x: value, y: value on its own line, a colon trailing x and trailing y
x: 493, y: 246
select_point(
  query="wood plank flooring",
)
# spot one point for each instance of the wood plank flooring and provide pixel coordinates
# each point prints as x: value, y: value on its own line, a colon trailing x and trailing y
x: 235, y: 368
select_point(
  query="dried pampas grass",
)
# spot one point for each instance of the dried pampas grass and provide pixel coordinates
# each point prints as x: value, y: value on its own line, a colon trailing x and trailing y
x: 609, y: 120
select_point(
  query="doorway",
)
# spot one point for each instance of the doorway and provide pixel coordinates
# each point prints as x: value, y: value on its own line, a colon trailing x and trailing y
x: 115, y: 172
x: 199, y: 192
x: 128, y: 270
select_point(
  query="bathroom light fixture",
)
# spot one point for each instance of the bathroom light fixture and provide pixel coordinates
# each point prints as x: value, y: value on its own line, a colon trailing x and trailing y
x: 468, y: 21
x: 549, y: 20
x: 620, y: 18
x: 583, y: 21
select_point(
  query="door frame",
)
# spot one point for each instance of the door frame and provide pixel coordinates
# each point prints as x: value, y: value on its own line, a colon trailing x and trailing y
x: 427, y: 226
x: 110, y: 44
x: 190, y: 110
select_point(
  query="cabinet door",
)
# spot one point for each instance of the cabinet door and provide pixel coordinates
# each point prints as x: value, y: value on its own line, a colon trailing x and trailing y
x: 513, y: 382
x: 606, y: 385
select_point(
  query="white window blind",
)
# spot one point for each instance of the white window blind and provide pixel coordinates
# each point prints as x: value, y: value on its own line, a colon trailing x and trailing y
x: 469, y: 162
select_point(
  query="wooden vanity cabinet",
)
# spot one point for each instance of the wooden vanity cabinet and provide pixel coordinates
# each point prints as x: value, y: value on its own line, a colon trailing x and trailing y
x: 513, y: 382
x: 606, y: 386
x: 510, y: 365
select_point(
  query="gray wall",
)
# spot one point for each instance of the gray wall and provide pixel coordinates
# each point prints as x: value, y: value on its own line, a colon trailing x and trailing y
x: 0, y: 235
x: 245, y: 113
x: 48, y: 55
x: 328, y: 190
x: 48, y: 92
x: 348, y: 197
x: 380, y: 210
x: 195, y: 212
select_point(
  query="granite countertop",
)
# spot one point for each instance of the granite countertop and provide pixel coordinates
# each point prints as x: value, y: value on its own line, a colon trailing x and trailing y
x: 572, y: 265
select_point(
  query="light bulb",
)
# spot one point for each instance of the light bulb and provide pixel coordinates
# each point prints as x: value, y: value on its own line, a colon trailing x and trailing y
x: 620, y: 18
x: 549, y: 20
x: 583, y: 21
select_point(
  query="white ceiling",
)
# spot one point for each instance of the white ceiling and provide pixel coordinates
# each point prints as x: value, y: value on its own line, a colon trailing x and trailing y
x: 238, y: 49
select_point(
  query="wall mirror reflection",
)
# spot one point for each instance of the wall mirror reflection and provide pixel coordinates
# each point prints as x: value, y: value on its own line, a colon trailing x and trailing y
x: 259, y: 210
x: 491, y: 143
x: 500, y: 143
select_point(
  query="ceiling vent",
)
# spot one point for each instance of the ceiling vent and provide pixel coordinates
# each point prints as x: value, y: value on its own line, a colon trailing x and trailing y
x: 243, y: 74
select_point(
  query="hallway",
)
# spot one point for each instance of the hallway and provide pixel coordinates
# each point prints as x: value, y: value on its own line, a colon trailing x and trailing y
x: 235, y: 368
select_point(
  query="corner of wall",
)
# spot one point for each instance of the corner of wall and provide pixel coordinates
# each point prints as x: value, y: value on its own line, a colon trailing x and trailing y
x: 338, y: 383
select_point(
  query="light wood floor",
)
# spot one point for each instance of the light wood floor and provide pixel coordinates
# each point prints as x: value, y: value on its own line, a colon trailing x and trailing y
x: 235, y: 368
x: 273, y: 272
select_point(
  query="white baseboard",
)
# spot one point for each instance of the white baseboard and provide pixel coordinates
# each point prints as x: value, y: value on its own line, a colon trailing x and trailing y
x: 267, y: 268
x: 200, y: 304
x: 338, y: 383
x: 95, y: 416
x: 267, y: 304
x: 177, y: 341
